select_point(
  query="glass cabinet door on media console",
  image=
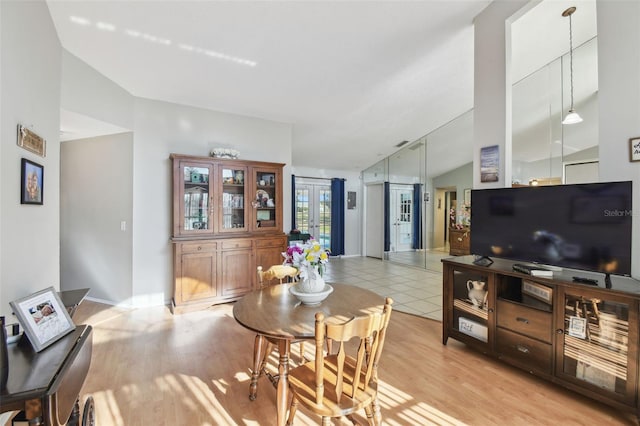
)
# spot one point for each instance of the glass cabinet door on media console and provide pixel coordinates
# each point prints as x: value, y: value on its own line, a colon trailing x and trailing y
x: 597, y: 346
x: 233, y: 206
x: 195, y: 186
x: 471, y: 299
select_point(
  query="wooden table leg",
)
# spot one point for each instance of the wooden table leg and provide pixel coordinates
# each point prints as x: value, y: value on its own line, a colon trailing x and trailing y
x: 284, y: 347
x: 258, y: 354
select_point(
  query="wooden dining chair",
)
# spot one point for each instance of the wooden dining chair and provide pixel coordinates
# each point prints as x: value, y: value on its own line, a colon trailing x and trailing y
x: 264, y: 346
x: 336, y: 385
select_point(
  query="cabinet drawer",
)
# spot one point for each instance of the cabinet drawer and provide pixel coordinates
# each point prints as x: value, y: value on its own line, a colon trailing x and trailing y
x: 523, y: 320
x: 524, y: 352
x: 270, y: 242
x: 198, y: 247
x: 236, y: 244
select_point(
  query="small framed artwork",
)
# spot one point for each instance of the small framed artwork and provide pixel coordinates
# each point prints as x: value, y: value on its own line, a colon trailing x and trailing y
x: 43, y: 318
x: 351, y: 200
x: 489, y: 163
x: 634, y: 149
x: 31, y: 183
x: 31, y: 141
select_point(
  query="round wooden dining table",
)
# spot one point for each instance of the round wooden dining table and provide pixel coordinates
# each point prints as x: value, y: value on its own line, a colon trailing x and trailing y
x: 276, y: 313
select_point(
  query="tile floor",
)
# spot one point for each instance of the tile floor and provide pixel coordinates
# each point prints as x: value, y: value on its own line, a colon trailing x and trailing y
x: 414, y: 290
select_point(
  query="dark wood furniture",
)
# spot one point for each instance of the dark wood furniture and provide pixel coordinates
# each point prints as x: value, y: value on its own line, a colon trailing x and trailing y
x: 71, y: 299
x: 582, y: 337
x: 276, y: 313
x: 227, y: 220
x: 459, y: 241
x: 45, y: 385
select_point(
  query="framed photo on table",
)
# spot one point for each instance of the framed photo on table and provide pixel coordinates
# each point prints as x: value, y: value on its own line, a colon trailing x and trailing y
x: 31, y: 183
x: 43, y: 317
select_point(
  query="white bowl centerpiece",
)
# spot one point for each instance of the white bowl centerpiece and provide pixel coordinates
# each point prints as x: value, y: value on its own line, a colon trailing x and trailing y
x: 310, y: 260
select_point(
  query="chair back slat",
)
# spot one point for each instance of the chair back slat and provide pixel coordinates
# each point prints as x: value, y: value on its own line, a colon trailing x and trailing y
x: 277, y: 272
x: 361, y: 340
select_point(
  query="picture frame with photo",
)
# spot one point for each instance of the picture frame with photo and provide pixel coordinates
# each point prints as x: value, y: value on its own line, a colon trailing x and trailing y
x: 43, y: 317
x: 31, y: 183
x: 634, y: 149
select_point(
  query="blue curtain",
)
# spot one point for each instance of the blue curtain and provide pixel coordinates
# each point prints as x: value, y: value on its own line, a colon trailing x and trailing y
x: 416, y: 242
x: 337, y: 216
x: 387, y: 222
x: 293, y: 201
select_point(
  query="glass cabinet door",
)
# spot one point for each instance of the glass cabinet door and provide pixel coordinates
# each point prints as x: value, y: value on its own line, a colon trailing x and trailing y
x: 232, y: 208
x: 266, y: 201
x: 596, y: 342
x: 472, y: 306
x: 197, y: 212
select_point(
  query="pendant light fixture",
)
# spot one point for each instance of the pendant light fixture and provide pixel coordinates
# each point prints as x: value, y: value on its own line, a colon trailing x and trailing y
x: 572, y: 116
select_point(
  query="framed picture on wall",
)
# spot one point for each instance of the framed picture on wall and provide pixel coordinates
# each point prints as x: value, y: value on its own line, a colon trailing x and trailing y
x: 31, y: 183
x: 489, y: 163
x: 634, y: 149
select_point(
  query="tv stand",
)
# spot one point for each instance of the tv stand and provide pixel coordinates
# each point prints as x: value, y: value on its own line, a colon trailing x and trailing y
x: 584, y: 338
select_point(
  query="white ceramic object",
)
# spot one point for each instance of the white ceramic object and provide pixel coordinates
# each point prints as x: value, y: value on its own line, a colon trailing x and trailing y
x: 311, y: 299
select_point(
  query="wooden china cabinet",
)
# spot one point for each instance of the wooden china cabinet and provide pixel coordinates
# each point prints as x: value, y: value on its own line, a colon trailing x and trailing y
x: 227, y: 220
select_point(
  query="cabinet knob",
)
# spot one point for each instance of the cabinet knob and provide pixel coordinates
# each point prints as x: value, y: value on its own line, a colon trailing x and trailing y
x: 560, y: 331
x: 522, y: 349
x: 199, y: 248
x: 490, y: 310
x: 524, y: 320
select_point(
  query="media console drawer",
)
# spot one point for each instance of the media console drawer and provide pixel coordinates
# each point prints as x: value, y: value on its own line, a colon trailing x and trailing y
x: 523, y: 320
x: 527, y: 353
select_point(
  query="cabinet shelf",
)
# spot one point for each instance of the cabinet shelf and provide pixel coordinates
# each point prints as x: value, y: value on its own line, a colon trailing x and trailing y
x: 469, y: 307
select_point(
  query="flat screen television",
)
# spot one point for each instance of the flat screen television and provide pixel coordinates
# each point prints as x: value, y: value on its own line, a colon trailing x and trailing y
x: 583, y: 226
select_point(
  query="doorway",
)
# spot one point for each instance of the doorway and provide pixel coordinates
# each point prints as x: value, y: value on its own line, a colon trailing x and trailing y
x: 401, y: 209
x: 313, y: 211
x: 445, y: 202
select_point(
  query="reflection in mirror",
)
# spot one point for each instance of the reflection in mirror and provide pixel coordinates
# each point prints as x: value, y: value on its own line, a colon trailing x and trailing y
x: 544, y: 151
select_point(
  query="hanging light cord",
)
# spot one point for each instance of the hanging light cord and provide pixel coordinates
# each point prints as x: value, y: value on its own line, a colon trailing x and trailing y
x: 571, y: 58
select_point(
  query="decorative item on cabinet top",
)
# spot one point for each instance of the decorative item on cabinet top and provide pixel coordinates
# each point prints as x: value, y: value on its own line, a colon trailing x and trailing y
x: 224, y: 153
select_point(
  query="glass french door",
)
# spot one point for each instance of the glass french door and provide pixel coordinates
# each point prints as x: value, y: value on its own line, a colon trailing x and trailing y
x: 401, y: 209
x: 313, y: 212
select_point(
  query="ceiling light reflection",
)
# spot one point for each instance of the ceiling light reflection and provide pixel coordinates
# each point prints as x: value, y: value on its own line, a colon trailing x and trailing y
x: 80, y: 21
x: 104, y: 26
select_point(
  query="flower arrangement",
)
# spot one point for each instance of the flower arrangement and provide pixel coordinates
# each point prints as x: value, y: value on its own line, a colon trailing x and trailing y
x: 309, y: 258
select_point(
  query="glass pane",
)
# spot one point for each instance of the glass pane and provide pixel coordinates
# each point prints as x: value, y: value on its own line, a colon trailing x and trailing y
x: 196, y: 198
x: 232, y: 198
x: 470, y: 295
x: 265, y: 201
x: 596, y: 342
x: 324, y: 230
x: 302, y: 210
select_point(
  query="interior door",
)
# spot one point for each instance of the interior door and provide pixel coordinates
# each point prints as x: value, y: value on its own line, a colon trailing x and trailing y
x: 401, y: 217
x: 313, y: 211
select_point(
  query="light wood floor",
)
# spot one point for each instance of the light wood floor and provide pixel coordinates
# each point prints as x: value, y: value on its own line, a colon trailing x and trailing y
x: 152, y: 368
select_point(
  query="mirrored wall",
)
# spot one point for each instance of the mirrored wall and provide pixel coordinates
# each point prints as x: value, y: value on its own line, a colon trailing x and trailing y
x: 545, y: 151
x: 426, y: 185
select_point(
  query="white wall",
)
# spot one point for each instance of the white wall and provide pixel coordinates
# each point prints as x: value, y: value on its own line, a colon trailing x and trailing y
x: 86, y: 91
x: 96, y: 196
x: 30, y: 94
x: 492, y: 119
x: 161, y: 128
x: 353, y: 217
x: 619, y: 100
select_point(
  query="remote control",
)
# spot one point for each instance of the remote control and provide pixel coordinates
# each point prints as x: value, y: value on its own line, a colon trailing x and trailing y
x: 582, y: 280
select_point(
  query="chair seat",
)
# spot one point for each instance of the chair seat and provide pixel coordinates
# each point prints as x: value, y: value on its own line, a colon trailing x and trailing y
x: 331, y: 406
